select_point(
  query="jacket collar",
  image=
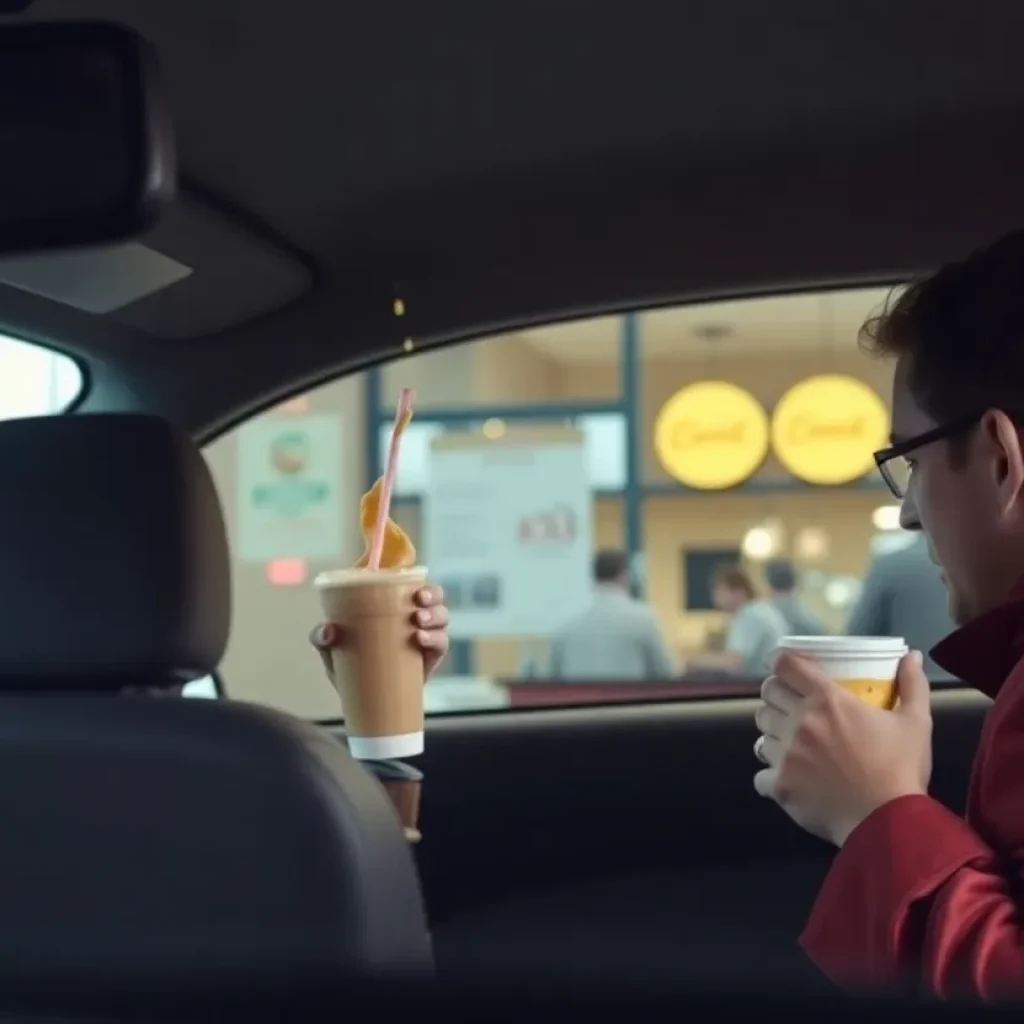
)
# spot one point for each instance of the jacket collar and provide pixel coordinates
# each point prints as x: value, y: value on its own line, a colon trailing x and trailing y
x: 986, y: 650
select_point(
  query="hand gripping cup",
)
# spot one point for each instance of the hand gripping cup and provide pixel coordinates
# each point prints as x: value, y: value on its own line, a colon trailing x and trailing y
x: 864, y: 665
x: 378, y: 670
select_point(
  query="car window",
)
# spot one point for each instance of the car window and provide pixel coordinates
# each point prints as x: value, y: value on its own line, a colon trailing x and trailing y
x: 35, y: 380
x: 673, y: 443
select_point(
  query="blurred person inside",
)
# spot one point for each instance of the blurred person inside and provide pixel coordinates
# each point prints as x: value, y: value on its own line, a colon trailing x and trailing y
x: 617, y: 637
x: 754, y: 630
x: 781, y: 576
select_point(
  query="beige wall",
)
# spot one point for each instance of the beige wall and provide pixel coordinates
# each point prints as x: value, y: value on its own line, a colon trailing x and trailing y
x: 497, y: 371
x: 269, y: 660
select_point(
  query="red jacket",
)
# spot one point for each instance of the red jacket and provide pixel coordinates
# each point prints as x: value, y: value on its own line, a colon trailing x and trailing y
x: 917, y: 890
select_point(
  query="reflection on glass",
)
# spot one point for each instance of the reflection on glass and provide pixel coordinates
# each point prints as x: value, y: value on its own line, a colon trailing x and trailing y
x: 35, y: 381
x: 413, y: 473
x: 505, y: 553
x: 205, y: 688
x: 604, y: 444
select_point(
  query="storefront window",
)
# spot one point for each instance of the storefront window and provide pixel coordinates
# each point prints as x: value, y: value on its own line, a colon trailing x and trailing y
x: 740, y: 438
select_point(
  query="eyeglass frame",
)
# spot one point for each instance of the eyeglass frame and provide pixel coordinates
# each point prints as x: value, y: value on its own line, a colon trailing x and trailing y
x: 911, y: 444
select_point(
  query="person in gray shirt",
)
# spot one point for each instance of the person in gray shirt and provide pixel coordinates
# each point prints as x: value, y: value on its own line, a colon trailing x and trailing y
x: 781, y: 576
x: 617, y: 637
x: 903, y: 595
x: 755, y: 627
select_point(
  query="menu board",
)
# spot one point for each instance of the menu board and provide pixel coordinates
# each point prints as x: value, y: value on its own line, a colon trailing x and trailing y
x: 508, y: 530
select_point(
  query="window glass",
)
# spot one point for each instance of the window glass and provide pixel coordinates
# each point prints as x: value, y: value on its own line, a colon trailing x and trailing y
x: 604, y: 446
x: 576, y: 361
x: 34, y: 380
x: 741, y: 435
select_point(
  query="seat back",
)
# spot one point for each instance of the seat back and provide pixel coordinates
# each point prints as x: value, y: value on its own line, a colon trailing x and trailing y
x: 173, y: 839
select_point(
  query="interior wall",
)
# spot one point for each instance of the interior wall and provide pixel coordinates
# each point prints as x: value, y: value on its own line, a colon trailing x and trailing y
x: 498, y: 371
x: 269, y: 659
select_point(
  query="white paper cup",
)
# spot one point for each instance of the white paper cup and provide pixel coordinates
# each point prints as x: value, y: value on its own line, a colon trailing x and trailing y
x: 864, y: 665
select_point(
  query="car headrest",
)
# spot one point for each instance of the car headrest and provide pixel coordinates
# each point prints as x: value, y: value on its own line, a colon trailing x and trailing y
x: 116, y: 565
x: 198, y: 842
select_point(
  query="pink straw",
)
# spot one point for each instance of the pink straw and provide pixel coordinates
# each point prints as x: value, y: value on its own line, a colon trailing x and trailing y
x: 402, y: 417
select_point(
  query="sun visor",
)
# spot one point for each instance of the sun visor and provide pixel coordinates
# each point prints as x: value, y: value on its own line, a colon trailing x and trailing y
x: 95, y: 280
x: 196, y: 273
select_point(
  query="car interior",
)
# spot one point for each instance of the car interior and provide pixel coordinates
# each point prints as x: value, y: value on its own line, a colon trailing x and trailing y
x: 364, y: 193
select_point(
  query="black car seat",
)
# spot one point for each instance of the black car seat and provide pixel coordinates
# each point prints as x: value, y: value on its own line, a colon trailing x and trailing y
x: 164, y: 839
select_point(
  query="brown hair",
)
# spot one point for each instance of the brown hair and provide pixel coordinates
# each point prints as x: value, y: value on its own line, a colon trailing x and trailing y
x: 733, y: 577
x: 610, y: 566
x: 961, y: 332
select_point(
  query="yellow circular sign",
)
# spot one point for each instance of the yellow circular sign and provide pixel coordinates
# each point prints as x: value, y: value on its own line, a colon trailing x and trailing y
x: 826, y: 429
x: 711, y: 435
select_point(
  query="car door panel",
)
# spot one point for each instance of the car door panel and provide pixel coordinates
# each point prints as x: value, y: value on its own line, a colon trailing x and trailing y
x: 626, y: 837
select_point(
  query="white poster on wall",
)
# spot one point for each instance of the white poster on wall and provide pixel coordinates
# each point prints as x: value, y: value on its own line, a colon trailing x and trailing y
x: 290, y: 501
x: 507, y: 531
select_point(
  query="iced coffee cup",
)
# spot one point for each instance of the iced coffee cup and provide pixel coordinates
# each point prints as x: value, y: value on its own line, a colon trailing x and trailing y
x: 378, y: 669
x: 864, y: 665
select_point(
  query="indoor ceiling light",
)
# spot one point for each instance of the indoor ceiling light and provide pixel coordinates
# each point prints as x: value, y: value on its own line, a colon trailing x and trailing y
x: 759, y: 543
x: 886, y: 517
x: 811, y: 544
x: 842, y: 591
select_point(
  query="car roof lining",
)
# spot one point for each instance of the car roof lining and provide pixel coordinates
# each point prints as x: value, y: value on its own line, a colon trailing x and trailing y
x: 496, y: 175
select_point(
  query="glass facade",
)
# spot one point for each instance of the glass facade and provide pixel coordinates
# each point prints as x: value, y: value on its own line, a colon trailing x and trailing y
x: 624, y: 390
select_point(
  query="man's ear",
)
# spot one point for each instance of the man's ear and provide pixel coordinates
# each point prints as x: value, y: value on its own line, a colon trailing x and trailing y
x: 1003, y: 447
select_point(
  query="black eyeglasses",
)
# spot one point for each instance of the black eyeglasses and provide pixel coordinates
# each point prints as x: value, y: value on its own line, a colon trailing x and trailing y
x: 893, y: 464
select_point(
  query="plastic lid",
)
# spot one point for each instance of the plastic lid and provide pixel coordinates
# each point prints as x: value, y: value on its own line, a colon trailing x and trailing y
x: 358, y: 577
x: 844, y: 645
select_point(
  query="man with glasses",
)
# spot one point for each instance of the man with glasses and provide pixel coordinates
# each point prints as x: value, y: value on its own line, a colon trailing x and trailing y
x: 917, y: 893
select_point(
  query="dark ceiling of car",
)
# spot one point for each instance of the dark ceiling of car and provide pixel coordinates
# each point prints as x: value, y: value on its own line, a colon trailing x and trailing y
x: 497, y: 162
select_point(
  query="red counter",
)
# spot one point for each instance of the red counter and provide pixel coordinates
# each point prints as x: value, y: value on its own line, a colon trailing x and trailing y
x: 524, y: 693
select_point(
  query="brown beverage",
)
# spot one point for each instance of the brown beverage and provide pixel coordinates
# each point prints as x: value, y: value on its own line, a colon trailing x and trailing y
x: 402, y: 783
x: 379, y: 670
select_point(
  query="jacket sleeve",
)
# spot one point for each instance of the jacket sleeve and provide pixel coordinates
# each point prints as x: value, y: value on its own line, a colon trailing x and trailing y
x: 915, y: 894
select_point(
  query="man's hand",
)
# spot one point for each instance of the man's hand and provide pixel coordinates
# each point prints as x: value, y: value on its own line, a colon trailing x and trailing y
x: 429, y: 629
x: 832, y: 759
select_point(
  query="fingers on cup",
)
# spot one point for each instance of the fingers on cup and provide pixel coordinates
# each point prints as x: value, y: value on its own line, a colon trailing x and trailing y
x: 779, y: 694
x: 768, y: 720
x: 431, y: 618
x: 432, y: 640
x: 768, y: 750
x: 765, y: 782
x: 800, y: 675
x: 325, y: 636
x: 429, y: 596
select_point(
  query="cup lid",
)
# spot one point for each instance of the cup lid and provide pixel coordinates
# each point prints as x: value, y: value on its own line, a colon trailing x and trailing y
x: 844, y: 645
x: 355, y: 577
